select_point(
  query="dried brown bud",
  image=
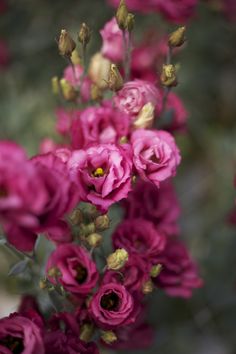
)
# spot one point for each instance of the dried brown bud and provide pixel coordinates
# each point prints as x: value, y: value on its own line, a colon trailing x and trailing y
x: 102, y: 223
x: 54, y: 272
x: 147, y: 287
x: 94, y: 240
x: 155, y: 270
x: 130, y: 22
x: 96, y: 93
x: 168, y: 75
x: 75, y: 58
x: 66, y: 44
x: 117, y: 259
x: 68, y: 91
x: 121, y: 15
x: 55, y: 85
x: 108, y: 337
x: 76, y: 217
x: 145, y: 117
x: 86, y: 332
x: 177, y: 38
x: 115, y: 80
x: 84, y: 34
x: 99, y: 69
x: 43, y: 284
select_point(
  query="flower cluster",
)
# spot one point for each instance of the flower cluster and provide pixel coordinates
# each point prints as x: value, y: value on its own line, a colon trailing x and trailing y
x: 117, y: 152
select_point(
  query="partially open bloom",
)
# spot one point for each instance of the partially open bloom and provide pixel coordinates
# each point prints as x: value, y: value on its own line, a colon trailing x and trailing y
x: 179, y: 274
x: 139, y: 237
x: 117, y: 259
x: 75, y: 270
x: 103, y: 174
x: 113, y: 306
x: 112, y: 47
x: 20, y: 335
x: 155, y: 155
x: 135, y: 94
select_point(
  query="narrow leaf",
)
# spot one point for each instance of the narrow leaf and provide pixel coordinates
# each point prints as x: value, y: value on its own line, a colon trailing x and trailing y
x: 18, y: 268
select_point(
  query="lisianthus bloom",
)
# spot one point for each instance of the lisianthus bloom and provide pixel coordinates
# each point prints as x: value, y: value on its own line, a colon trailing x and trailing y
x: 112, y: 46
x: 229, y: 8
x: 99, y: 125
x: 103, y: 174
x: 158, y: 205
x: 139, y: 237
x: 176, y: 11
x: 73, y: 76
x: 135, y: 94
x: 179, y: 275
x: 113, y: 306
x: 72, y: 266
x: 155, y: 155
x: 178, y: 113
x: 20, y: 335
x: 133, y: 275
x: 64, y: 120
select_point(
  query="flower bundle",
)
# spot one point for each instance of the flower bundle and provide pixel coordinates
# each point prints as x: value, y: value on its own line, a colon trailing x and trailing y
x: 117, y: 152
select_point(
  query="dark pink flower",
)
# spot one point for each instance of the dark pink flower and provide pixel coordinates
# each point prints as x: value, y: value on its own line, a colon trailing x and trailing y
x: 155, y: 155
x: 178, y: 112
x: 4, y: 55
x: 112, y: 46
x: 113, y: 306
x: 20, y: 335
x: 77, y: 272
x: 99, y: 125
x: 64, y: 120
x: 103, y: 174
x: 135, y: 94
x: 179, y: 276
x: 73, y: 76
x: 158, y: 205
x: 229, y: 8
x: 139, y: 237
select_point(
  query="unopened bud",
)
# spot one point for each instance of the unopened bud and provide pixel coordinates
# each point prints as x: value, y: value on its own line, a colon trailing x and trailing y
x: 75, y: 58
x: 43, y: 284
x: 90, y: 211
x: 86, y: 332
x: 155, y: 270
x: 121, y: 15
x: 84, y: 34
x: 168, y: 75
x: 115, y: 80
x: 109, y: 337
x: 66, y: 44
x: 145, y: 117
x: 177, y: 38
x: 68, y: 91
x: 87, y: 229
x: 96, y: 93
x: 94, y: 240
x: 117, y: 259
x: 147, y: 287
x: 55, y: 85
x: 98, y: 71
x: 54, y: 272
x: 102, y: 222
x: 76, y: 217
x: 130, y: 22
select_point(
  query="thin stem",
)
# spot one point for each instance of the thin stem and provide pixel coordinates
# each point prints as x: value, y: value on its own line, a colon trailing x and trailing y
x: 167, y: 89
x: 127, y: 53
x: 18, y: 253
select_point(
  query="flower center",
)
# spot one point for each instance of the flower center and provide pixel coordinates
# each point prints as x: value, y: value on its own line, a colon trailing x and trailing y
x: 81, y: 274
x: 3, y: 192
x: 99, y: 172
x: 15, y: 344
x: 110, y: 301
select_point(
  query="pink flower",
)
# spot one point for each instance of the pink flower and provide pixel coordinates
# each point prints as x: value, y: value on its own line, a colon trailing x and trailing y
x: 179, y: 276
x: 139, y: 237
x: 74, y: 78
x: 103, y: 174
x: 178, y: 112
x: 135, y: 94
x: 155, y: 155
x: 158, y: 205
x: 229, y: 8
x: 20, y: 335
x: 176, y: 11
x: 112, y: 47
x: 113, y: 306
x: 99, y: 125
x: 133, y: 275
x: 77, y: 271
x: 64, y: 120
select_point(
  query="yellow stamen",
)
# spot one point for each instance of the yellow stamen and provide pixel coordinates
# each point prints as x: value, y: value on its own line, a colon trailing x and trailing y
x: 99, y: 172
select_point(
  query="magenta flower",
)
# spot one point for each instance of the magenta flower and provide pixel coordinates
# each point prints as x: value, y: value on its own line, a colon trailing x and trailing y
x: 103, y: 174
x: 20, y: 335
x: 178, y: 112
x: 135, y: 94
x: 113, y: 306
x: 158, y: 205
x: 99, y: 125
x: 112, y: 46
x: 73, y: 76
x: 155, y: 155
x: 179, y: 276
x: 139, y: 237
x: 77, y: 273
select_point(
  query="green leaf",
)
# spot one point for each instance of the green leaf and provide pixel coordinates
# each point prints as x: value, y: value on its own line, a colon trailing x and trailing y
x: 18, y: 268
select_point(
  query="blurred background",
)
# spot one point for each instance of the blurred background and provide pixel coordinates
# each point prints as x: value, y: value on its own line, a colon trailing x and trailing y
x: 29, y: 58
